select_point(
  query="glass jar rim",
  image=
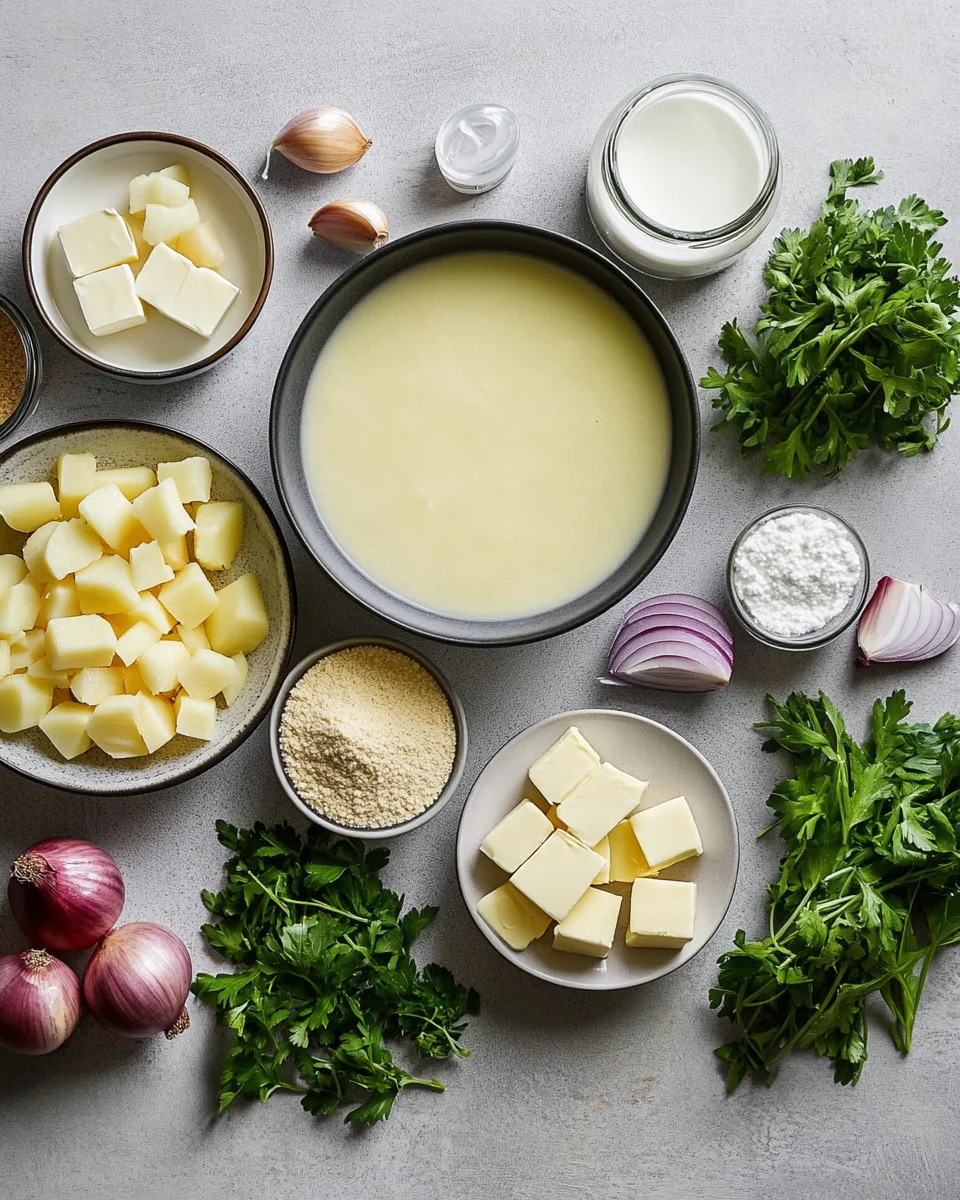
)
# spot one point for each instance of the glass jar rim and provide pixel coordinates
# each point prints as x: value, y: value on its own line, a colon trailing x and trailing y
x: 33, y: 367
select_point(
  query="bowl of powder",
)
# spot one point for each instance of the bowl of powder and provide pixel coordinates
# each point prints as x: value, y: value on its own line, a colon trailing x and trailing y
x: 368, y: 738
x: 20, y: 368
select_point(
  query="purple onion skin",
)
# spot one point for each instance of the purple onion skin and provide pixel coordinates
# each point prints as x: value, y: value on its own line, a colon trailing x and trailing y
x: 65, y: 894
x: 39, y: 1002
x: 137, y: 981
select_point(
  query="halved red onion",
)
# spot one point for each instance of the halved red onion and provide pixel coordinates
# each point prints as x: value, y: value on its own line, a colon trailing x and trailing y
x: 677, y: 643
x: 904, y: 623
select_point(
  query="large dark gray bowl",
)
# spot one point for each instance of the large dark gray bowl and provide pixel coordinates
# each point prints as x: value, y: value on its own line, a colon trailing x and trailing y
x: 319, y: 323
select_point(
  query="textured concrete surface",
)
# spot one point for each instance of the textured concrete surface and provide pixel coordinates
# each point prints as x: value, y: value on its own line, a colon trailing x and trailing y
x: 568, y: 1095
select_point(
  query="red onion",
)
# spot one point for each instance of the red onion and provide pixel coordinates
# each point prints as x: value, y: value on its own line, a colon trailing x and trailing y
x: 137, y: 981
x: 65, y: 894
x: 677, y: 643
x: 39, y: 1002
x: 904, y: 623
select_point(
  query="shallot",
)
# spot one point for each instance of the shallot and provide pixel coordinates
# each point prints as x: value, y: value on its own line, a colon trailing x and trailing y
x: 65, y: 894
x: 904, y: 623
x: 677, y: 643
x: 137, y: 981
x: 39, y: 1002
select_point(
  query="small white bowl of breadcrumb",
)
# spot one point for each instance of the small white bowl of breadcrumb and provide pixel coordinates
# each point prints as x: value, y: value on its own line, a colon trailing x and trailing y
x: 368, y: 738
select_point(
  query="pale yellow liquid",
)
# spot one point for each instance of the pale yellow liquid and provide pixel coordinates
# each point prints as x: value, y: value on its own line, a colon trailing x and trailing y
x: 487, y: 435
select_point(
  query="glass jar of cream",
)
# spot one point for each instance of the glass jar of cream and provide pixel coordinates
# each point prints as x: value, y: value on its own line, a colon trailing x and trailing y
x: 683, y: 176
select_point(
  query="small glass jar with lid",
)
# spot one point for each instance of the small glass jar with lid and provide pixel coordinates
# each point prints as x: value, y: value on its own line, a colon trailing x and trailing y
x: 684, y: 175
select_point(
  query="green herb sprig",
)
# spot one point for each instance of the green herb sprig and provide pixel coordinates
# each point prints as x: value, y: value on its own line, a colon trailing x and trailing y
x: 869, y: 888
x: 324, y: 976
x: 857, y: 344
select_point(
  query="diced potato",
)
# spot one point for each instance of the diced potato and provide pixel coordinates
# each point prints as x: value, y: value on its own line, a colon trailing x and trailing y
x: 195, y: 718
x: 20, y: 607
x: 72, y: 546
x: 110, y: 515
x: 113, y: 727
x: 157, y: 188
x: 4, y: 658
x: 175, y: 553
x: 149, y: 567
x: 189, y: 597
x: 193, y: 639
x: 164, y: 223
x: 202, y: 246
x: 160, y: 666
x: 34, y: 551
x: 233, y: 690
x: 76, y: 478
x: 133, y: 643
x: 106, y: 586
x: 193, y: 477
x: 23, y: 702
x: 177, y: 171
x: 12, y: 570
x: 152, y: 611
x: 207, y: 674
x: 66, y: 727
x: 60, y: 601
x: 240, y: 622
x: 76, y: 642
x: 218, y: 534
x: 41, y: 669
x: 160, y: 511
x: 156, y: 721
x: 93, y: 685
x: 121, y: 622
x: 26, y: 649
x: 27, y: 506
x: 132, y: 680
x: 132, y: 481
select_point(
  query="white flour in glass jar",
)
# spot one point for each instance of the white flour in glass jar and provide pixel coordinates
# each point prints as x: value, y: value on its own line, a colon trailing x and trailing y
x: 796, y: 572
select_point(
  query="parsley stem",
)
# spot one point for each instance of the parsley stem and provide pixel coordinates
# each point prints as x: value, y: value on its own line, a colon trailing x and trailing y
x: 341, y: 912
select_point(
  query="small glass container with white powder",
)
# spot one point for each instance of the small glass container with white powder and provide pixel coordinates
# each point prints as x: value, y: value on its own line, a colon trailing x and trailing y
x: 798, y: 577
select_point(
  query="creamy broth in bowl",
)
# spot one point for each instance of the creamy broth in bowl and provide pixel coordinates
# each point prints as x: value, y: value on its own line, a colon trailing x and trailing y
x: 487, y: 435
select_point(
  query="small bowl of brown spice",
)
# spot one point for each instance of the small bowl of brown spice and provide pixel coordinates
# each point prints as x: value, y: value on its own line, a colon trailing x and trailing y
x: 20, y: 368
x: 368, y: 738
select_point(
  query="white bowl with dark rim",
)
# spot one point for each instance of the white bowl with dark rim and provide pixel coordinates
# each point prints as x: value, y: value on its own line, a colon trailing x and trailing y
x: 459, y: 724
x: 98, y: 177
x: 263, y: 550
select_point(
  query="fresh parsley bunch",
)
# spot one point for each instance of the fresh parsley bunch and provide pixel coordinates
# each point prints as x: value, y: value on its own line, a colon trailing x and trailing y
x: 324, y: 975
x: 869, y: 888
x: 857, y: 344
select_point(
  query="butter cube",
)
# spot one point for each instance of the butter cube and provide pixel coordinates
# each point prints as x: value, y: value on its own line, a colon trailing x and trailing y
x: 599, y: 802
x: 193, y: 477
x: 132, y: 643
x: 207, y: 674
x: 667, y: 833
x: 218, y: 534
x: 512, y: 916
x: 662, y: 913
x: 156, y: 721
x: 627, y: 862
x: 132, y: 481
x: 568, y: 762
x: 202, y: 246
x: 60, y: 601
x: 19, y: 608
x: 149, y: 567
x: 203, y: 300
x: 590, y: 926
x: 160, y: 511
x: 233, y: 690
x: 106, y: 586
x: 161, y: 278
x: 165, y: 222
x: 66, y: 727
x: 240, y: 622
x: 189, y: 597
x: 160, y: 666
x: 109, y: 302
x: 196, y: 718
x: 27, y: 506
x: 24, y: 701
x: 557, y: 875
x: 93, y: 685
x: 34, y: 549
x: 110, y: 515
x: 72, y: 547
x: 76, y: 642
x: 603, y: 849
x: 512, y: 841
x: 97, y: 241
x: 12, y: 570
x: 113, y: 727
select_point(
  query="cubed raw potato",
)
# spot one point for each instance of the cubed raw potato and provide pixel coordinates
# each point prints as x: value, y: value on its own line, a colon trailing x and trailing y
x: 132, y: 481
x: 218, y: 534
x: 34, y: 551
x: 233, y: 690
x: 195, y: 718
x: 41, y: 669
x: 24, y: 701
x: 193, y: 639
x: 76, y: 478
x: 207, y: 674
x: 175, y: 553
x: 132, y: 680
x: 20, y: 607
x: 72, y: 546
x: 157, y: 188
x: 160, y: 511
x: 152, y: 611
x: 110, y: 515
x: 136, y: 639
x: 4, y: 658
x: 156, y: 721
x: 202, y: 246
x: 189, y: 596
x: 106, y: 586
x: 60, y: 601
x: 26, y: 649
x: 193, y: 477
x: 149, y: 567
x: 27, y: 506
x: 160, y: 666
x: 66, y: 727
x: 113, y: 727
x: 164, y: 223
x: 76, y: 642
x: 177, y: 171
x: 12, y: 570
x: 93, y: 685
x: 121, y: 622
x: 240, y: 622
x: 138, y: 194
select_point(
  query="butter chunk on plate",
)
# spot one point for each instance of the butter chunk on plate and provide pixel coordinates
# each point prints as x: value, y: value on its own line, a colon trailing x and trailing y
x: 99, y: 240
x: 109, y: 302
x: 667, y: 833
x: 522, y: 831
x: 557, y: 875
x: 627, y: 862
x: 590, y: 926
x: 600, y: 802
x: 512, y: 916
x: 568, y: 762
x: 662, y: 914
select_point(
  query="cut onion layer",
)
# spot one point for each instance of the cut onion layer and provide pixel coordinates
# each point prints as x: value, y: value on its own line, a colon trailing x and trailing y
x: 904, y: 623
x: 675, y: 643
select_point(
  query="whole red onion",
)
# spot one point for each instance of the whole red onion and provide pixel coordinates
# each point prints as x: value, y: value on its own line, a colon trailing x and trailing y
x: 137, y: 981
x: 65, y: 893
x: 39, y: 1002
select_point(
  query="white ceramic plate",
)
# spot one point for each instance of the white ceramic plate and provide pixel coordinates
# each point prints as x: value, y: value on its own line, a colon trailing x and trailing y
x: 643, y: 748
x: 262, y: 551
x: 98, y: 177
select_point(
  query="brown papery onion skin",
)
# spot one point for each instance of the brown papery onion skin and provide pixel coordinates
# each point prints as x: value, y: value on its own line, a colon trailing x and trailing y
x: 39, y: 1002
x: 137, y: 981
x: 65, y: 894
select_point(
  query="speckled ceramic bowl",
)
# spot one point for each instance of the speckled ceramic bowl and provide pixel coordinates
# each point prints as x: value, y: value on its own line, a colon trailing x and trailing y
x: 263, y: 551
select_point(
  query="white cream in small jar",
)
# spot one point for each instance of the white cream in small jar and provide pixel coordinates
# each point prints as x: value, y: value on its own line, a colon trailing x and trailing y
x: 683, y: 176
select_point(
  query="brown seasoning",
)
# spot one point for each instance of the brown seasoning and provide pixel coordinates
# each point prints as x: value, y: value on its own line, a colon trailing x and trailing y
x: 13, y: 368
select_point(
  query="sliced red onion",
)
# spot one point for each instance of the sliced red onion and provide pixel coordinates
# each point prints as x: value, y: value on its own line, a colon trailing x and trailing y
x: 677, y: 643
x: 904, y: 623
